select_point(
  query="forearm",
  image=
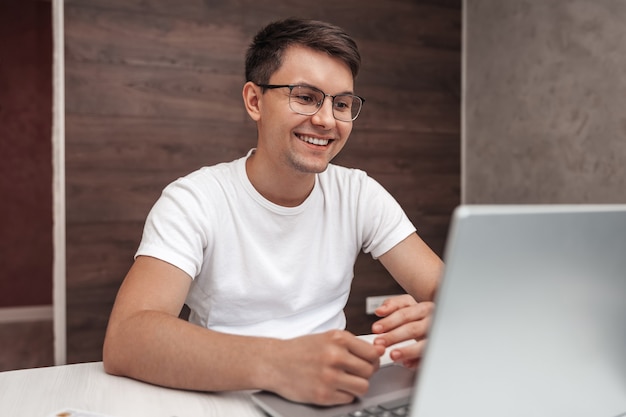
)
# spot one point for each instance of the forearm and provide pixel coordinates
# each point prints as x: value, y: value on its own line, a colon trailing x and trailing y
x: 415, y: 267
x: 164, y: 350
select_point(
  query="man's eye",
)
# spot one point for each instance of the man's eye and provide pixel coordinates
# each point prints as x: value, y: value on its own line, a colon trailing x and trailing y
x: 306, y: 99
x: 343, y: 104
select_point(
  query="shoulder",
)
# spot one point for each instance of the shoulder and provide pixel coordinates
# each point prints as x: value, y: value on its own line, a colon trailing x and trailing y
x: 343, y: 175
x: 344, y: 178
x: 207, y: 179
x: 221, y: 171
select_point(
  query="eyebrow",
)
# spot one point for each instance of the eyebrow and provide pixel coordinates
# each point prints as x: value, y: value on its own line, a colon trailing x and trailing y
x: 304, y: 84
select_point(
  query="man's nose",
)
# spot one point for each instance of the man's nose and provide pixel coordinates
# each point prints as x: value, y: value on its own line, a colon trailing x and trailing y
x: 325, y: 113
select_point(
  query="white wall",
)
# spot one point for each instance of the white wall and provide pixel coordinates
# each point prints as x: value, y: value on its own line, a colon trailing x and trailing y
x: 58, y: 178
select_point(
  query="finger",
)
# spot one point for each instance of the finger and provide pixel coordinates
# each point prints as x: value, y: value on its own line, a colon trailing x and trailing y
x: 353, y: 385
x: 339, y: 397
x: 392, y: 304
x: 340, y: 341
x: 352, y: 355
x: 364, y: 363
x: 410, y: 354
x: 395, y: 319
x: 402, y: 316
x: 364, y: 350
x: 412, y: 364
x: 415, y: 330
x: 342, y: 384
x: 326, y: 395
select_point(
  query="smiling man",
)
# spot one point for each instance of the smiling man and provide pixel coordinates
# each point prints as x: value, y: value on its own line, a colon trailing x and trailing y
x: 262, y: 248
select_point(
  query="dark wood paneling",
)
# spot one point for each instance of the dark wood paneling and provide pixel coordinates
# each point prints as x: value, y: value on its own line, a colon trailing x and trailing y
x: 26, y: 150
x: 153, y: 91
x: 98, y: 258
x: 26, y: 345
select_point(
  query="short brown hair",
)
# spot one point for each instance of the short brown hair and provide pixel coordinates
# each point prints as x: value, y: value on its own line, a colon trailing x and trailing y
x: 264, y: 55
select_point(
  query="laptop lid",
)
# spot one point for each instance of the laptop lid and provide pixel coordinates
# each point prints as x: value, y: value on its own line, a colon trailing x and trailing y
x: 530, y: 320
x: 531, y: 315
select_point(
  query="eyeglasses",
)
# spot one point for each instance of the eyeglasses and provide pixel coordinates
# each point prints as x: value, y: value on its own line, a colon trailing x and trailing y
x: 307, y: 101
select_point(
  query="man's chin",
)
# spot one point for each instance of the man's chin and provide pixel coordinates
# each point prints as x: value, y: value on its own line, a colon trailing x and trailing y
x: 310, y: 167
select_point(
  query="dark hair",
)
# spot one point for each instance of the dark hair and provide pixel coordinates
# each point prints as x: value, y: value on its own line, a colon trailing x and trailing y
x: 264, y: 55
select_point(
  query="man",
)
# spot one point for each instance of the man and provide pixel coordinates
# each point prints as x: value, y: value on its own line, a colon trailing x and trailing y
x: 262, y: 249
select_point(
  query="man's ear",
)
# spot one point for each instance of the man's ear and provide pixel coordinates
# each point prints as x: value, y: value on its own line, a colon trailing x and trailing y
x: 251, y: 99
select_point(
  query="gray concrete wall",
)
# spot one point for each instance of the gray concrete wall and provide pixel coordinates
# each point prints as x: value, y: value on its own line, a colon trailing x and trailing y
x: 544, y: 101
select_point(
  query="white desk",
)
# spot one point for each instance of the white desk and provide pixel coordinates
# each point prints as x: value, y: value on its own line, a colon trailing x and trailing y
x: 40, y: 392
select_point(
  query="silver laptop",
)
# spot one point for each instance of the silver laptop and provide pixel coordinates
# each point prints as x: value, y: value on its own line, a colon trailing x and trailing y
x: 530, y: 320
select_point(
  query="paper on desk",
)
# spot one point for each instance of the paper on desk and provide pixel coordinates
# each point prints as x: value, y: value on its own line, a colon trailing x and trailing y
x: 385, y: 359
x: 70, y: 412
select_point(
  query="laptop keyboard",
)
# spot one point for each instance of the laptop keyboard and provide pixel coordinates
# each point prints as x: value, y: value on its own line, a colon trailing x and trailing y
x: 399, y: 407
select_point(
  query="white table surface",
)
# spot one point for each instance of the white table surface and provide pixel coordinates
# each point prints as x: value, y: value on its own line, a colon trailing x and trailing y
x: 41, y: 392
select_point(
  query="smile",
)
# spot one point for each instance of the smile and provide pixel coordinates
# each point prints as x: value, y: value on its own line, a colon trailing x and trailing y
x: 314, y: 141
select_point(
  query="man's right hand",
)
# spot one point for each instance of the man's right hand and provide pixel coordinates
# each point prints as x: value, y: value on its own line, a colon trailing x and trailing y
x: 325, y: 369
x: 147, y: 341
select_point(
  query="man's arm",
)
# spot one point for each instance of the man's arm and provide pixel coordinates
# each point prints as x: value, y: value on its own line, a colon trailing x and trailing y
x: 146, y: 340
x: 415, y: 267
x: 418, y: 270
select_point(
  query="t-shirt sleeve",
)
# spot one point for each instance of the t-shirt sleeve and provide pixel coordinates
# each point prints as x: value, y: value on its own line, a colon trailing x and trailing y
x: 386, y: 224
x: 173, y: 232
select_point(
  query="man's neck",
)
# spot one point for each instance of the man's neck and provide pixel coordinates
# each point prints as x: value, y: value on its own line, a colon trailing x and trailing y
x: 286, y: 189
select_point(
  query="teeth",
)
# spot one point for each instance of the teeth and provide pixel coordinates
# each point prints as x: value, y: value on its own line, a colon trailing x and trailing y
x: 314, y: 141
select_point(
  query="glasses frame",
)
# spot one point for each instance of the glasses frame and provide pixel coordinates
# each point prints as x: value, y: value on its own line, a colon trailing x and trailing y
x: 319, y: 103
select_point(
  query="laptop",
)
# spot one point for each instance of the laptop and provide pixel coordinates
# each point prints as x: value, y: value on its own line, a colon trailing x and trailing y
x: 530, y: 320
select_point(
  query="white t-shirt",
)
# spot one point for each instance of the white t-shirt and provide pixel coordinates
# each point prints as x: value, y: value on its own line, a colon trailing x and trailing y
x: 263, y: 269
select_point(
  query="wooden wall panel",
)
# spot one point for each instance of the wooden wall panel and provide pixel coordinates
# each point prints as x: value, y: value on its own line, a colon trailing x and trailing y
x: 153, y: 91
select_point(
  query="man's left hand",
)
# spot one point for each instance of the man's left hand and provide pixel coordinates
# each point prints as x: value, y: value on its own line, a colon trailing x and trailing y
x: 403, y: 319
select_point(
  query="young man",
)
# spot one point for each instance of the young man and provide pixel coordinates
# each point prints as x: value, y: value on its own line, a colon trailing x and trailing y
x: 262, y: 249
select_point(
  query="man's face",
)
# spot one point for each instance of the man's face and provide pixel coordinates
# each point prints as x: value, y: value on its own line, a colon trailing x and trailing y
x: 305, y: 144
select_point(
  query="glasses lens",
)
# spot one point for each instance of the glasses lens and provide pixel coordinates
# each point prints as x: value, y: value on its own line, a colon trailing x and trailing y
x: 346, y: 107
x: 305, y: 100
